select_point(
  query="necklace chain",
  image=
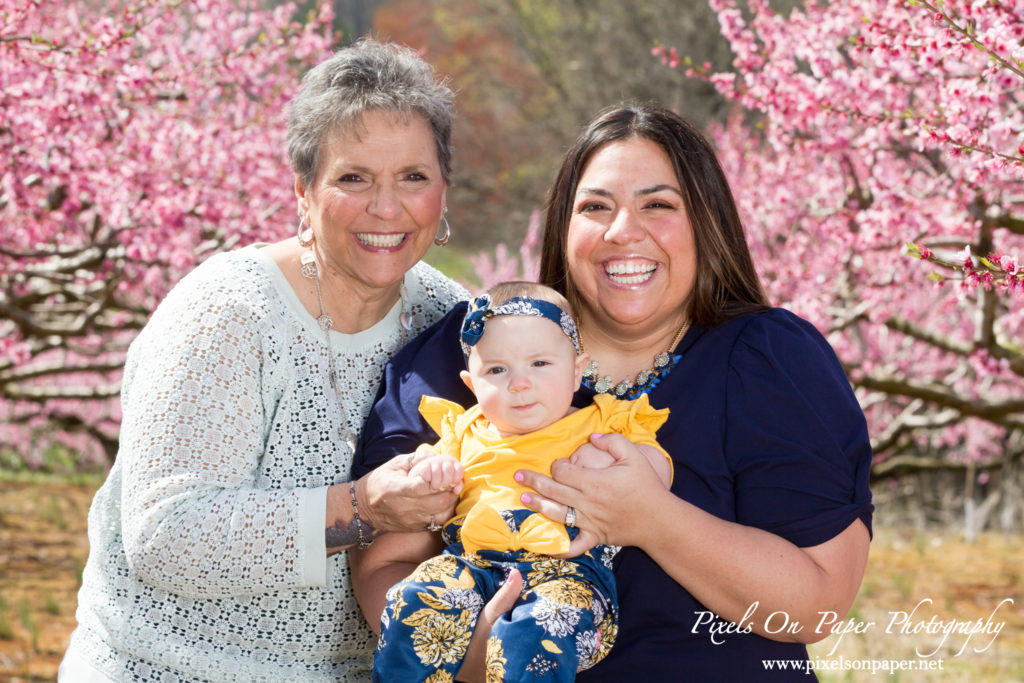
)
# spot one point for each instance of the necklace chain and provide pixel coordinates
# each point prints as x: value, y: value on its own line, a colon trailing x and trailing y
x: 310, y: 271
x: 645, y: 380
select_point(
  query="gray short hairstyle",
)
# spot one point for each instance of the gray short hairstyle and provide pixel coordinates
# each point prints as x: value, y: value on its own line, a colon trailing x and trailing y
x: 368, y: 76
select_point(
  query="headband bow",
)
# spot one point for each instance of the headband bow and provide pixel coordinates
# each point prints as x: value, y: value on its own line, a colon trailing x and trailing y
x: 480, y: 310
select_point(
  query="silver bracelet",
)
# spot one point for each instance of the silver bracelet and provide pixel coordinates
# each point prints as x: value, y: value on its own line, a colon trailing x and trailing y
x: 362, y: 542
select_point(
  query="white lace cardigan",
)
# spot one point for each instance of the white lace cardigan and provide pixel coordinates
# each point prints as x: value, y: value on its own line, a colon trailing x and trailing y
x: 207, y: 556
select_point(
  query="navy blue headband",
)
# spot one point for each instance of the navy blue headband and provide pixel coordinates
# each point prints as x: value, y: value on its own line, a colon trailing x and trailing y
x: 480, y: 310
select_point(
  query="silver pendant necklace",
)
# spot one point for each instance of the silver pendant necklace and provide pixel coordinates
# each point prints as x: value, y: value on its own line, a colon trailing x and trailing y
x: 310, y: 271
x: 643, y: 382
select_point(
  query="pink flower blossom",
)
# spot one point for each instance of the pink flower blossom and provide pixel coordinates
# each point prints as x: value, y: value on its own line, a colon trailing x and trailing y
x: 844, y: 180
x: 137, y: 137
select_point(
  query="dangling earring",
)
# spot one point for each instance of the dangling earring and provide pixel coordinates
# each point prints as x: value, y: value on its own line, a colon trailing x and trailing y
x: 303, y: 241
x: 443, y: 239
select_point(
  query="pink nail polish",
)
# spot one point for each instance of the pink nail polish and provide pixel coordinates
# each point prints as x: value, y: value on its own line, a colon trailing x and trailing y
x: 525, y: 498
x: 519, y: 477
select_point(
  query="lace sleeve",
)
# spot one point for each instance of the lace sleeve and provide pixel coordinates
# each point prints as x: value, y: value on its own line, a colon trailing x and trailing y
x: 192, y: 442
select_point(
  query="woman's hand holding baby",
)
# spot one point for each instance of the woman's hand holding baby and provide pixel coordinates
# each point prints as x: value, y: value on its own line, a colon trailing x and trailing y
x: 402, y: 495
x: 606, y: 498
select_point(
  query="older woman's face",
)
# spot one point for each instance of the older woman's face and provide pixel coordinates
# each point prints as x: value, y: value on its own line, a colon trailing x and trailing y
x: 630, y: 246
x: 377, y: 199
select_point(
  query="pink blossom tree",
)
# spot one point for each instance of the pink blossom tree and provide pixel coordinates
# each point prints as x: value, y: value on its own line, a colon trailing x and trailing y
x: 880, y: 168
x: 137, y: 141
x: 503, y: 266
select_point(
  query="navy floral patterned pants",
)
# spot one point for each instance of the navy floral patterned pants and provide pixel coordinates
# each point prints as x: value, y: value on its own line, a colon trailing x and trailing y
x: 565, y: 620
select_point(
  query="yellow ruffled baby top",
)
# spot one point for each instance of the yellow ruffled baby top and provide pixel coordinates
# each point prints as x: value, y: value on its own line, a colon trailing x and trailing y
x: 490, y: 461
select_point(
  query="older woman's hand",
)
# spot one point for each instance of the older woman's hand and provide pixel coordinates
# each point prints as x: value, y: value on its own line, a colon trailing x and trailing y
x: 392, y: 499
x: 613, y: 504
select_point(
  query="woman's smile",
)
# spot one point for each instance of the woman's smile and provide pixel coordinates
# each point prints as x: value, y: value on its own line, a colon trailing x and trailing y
x: 629, y: 271
x: 376, y: 203
x: 630, y: 246
x: 387, y: 241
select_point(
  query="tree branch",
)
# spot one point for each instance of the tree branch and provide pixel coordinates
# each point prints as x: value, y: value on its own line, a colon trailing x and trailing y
x: 66, y: 422
x: 900, y: 465
x: 994, y: 411
x: 16, y: 392
x: 33, y: 372
x: 1014, y: 224
x: 995, y: 348
x: 910, y: 419
x: 969, y: 35
x: 905, y: 327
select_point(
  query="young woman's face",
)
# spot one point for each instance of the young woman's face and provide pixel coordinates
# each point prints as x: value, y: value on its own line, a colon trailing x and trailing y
x: 630, y: 246
x: 523, y: 371
x: 377, y: 199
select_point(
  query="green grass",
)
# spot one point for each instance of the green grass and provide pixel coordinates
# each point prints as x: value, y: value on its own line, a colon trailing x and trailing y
x: 904, y: 584
x: 6, y: 630
x: 79, y: 568
x: 454, y: 262
x: 19, y: 473
x: 55, y: 515
x: 57, y: 464
x: 50, y: 604
x: 28, y: 620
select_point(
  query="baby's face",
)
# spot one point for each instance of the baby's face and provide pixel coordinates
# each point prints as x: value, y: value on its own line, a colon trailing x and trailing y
x: 524, y: 371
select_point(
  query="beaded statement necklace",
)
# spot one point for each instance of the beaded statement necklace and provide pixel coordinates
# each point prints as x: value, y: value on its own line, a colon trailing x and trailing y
x: 310, y: 271
x: 644, y: 381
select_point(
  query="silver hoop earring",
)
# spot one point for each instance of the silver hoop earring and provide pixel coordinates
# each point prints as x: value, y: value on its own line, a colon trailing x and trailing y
x: 303, y: 242
x: 443, y: 239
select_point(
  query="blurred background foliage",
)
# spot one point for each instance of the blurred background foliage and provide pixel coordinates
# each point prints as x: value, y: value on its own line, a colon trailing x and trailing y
x: 529, y: 73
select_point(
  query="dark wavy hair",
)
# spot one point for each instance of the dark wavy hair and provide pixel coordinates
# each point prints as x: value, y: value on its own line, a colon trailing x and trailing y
x: 727, y: 284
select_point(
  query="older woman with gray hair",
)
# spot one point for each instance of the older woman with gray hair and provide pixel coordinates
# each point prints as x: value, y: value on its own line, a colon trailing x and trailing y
x: 217, y: 539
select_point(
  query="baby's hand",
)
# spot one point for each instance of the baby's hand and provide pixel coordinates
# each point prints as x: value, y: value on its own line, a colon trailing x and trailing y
x: 589, y: 455
x: 442, y: 472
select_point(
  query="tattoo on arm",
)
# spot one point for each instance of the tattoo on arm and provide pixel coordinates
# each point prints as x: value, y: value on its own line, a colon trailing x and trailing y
x: 344, y: 534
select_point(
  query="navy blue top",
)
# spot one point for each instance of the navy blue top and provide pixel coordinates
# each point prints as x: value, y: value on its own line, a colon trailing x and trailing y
x: 764, y: 430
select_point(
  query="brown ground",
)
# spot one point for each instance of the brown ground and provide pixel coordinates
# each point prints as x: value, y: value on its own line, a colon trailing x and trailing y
x: 43, y: 548
x: 965, y: 583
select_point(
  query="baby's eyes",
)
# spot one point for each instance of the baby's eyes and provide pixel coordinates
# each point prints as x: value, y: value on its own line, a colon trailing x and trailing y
x: 499, y: 369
